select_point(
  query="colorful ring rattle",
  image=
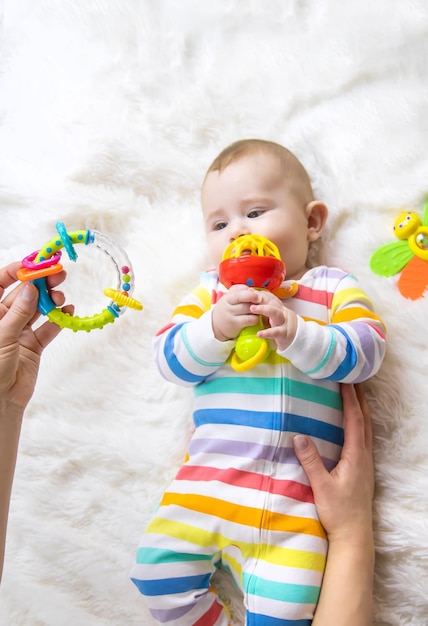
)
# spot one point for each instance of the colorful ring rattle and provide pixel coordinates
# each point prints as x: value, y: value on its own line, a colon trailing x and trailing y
x: 45, y: 262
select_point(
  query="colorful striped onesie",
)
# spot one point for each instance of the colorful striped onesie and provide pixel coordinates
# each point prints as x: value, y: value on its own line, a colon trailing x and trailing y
x: 242, y: 501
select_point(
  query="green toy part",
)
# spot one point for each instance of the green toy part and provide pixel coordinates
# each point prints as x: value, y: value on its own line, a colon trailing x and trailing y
x: 390, y: 258
x: 75, y: 323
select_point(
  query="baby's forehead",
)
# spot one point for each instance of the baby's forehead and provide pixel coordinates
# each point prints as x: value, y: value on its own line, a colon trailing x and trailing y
x: 268, y: 166
x: 263, y: 167
x: 260, y: 162
x: 284, y: 165
x: 287, y: 170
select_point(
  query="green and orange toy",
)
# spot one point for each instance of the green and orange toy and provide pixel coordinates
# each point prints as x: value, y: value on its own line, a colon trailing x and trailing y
x: 409, y: 255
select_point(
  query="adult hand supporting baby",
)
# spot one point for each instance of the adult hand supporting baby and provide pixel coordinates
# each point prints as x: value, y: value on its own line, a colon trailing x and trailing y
x: 344, y: 501
x: 20, y: 351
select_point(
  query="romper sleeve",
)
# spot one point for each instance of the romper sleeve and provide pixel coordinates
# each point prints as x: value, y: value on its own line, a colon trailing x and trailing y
x: 350, y: 348
x: 186, y: 350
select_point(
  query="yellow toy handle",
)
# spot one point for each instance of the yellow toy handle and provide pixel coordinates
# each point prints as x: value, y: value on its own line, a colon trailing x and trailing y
x: 250, y: 349
x: 244, y: 366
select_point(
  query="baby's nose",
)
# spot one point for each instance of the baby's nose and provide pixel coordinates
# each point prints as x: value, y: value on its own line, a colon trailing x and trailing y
x: 238, y: 229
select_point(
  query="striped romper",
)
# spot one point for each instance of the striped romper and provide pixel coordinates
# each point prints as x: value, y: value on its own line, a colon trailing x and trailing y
x: 242, y: 501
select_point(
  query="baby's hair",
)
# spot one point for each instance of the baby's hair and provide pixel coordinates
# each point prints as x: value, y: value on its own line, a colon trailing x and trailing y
x: 291, y: 165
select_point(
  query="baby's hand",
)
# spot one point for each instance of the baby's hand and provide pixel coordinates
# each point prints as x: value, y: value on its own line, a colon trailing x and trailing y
x: 282, y: 321
x: 232, y: 312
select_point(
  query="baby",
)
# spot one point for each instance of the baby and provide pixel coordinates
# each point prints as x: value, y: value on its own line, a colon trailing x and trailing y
x: 242, y: 501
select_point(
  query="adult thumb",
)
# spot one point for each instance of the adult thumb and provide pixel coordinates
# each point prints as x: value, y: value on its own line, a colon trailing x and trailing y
x: 21, y: 311
x: 308, y: 455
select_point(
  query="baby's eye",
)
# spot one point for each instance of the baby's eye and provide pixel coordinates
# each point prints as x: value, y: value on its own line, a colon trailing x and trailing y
x: 219, y: 225
x: 255, y: 213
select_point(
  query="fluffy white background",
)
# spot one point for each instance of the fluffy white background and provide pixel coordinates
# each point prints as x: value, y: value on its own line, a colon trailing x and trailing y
x: 111, y: 110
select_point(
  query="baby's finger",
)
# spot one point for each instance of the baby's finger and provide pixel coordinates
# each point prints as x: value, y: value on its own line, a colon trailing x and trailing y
x: 242, y: 293
x: 274, y: 313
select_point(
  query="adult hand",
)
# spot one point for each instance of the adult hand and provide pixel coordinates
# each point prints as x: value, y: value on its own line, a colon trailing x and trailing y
x: 20, y: 350
x: 20, y: 345
x: 344, y: 497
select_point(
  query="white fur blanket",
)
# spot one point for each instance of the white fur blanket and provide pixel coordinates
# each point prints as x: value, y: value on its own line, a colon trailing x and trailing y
x: 110, y: 113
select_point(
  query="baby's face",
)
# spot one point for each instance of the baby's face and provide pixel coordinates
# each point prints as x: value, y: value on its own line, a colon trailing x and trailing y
x: 252, y: 196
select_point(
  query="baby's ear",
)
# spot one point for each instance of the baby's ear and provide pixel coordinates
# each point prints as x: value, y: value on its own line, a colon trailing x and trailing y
x: 316, y: 213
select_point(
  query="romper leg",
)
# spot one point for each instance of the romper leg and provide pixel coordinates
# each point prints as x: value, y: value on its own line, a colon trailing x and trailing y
x: 282, y: 587
x: 176, y: 583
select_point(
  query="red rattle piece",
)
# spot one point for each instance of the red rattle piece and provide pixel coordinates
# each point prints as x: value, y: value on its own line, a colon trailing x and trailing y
x: 254, y: 261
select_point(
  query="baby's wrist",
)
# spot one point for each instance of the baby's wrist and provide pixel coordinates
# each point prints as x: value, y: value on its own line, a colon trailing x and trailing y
x: 217, y: 332
x: 220, y: 336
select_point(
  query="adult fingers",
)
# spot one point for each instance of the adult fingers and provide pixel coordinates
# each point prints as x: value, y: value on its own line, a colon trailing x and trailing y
x: 8, y: 275
x: 19, y: 314
x: 58, y: 299
x: 48, y: 331
x: 51, y: 282
x: 353, y: 418
x: 308, y: 455
x: 56, y: 279
x: 368, y: 429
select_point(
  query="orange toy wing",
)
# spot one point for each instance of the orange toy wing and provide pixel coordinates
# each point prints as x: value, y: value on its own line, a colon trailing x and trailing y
x: 413, y: 280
